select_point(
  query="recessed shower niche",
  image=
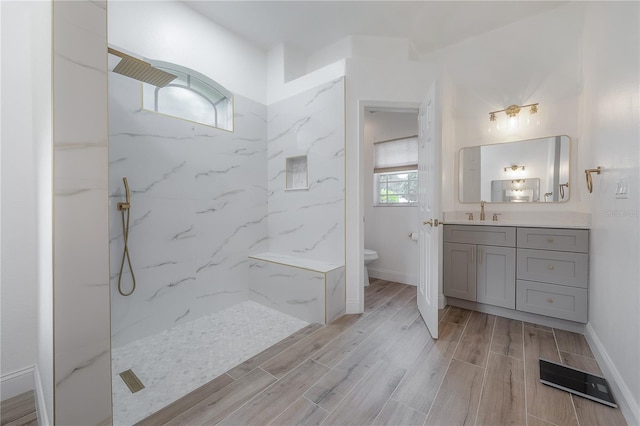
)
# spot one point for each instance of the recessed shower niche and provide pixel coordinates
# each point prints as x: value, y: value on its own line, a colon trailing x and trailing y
x: 297, y: 173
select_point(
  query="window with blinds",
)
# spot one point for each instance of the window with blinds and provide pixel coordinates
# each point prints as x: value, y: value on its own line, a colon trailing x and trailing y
x: 395, y: 172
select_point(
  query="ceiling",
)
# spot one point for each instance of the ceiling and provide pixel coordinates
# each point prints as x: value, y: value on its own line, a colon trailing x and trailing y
x: 310, y: 25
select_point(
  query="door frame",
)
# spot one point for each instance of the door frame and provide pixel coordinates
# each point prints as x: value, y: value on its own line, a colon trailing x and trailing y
x: 362, y: 106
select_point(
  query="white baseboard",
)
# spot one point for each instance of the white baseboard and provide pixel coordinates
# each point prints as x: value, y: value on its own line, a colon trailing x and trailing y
x: 442, y: 301
x: 394, y: 276
x: 18, y: 382
x: 353, y: 307
x: 41, y: 407
x: 576, y: 327
x: 621, y: 391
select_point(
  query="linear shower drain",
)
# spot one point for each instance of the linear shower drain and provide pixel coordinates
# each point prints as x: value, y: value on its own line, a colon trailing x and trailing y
x: 131, y: 380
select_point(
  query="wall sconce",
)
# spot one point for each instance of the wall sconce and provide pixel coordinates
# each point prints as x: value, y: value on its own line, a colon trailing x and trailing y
x: 512, y: 113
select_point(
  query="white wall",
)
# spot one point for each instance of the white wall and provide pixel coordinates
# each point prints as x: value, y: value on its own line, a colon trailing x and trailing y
x: 516, y: 64
x: 280, y: 87
x: 611, y: 133
x: 27, y: 326
x: 169, y: 31
x: 387, y: 229
x: 379, y: 83
x: 19, y: 273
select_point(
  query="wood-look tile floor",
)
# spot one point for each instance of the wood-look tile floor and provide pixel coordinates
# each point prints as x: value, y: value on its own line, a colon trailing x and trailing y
x: 382, y: 367
x: 19, y: 410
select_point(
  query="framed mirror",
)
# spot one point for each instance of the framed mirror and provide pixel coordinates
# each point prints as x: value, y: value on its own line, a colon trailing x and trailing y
x: 530, y: 171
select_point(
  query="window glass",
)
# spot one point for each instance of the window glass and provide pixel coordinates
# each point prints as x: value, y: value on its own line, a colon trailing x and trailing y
x: 191, y: 96
x: 396, y: 188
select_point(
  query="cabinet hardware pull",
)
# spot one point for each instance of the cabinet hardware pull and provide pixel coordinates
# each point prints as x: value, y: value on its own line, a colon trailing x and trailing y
x: 480, y: 255
x: 471, y: 258
x: 550, y: 267
x: 549, y: 240
x: 550, y: 300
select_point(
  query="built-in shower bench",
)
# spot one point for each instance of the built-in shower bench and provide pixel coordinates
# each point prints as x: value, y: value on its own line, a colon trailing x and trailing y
x: 309, y: 289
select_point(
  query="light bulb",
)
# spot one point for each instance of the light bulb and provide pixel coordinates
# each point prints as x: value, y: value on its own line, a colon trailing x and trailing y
x: 513, y: 122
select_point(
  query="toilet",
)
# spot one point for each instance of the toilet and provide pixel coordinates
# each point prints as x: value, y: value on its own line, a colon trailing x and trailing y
x: 369, y: 256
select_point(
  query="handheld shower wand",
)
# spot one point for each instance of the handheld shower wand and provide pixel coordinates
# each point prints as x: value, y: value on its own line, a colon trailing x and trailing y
x: 126, y: 206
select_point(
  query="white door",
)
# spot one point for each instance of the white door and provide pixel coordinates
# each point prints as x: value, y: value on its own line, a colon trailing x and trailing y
x: 429, y: 182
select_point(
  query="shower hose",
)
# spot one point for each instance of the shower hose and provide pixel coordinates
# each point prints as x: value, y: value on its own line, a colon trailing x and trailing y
x: 125, y: 233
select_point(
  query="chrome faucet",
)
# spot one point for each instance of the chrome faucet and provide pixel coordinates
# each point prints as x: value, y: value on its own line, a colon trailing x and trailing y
x: 482, y: 216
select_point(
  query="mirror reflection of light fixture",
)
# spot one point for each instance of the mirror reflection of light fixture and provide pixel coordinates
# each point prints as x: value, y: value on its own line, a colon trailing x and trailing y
x: 512, y: 113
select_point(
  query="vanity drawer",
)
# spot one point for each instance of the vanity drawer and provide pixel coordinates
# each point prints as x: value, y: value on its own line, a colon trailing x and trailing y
x: 576, y: 240
x: 480, y: 234
x: 552, y: 300
x: 554, y: 267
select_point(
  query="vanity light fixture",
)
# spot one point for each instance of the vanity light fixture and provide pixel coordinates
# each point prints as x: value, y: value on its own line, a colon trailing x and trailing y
x: 512, y: 115
x: 513, y: 168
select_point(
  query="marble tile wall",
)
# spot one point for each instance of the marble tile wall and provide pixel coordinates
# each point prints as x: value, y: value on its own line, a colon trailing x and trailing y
x: 198, y: 208
x: 308, y: 223
x: 82, y: 367
x: 311, y: 295
x: 335, y: 294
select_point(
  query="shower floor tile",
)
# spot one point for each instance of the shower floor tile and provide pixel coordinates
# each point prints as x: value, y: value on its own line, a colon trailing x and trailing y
x: 176, y: 361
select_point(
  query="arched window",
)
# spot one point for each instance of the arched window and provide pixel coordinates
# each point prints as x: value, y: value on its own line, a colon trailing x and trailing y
x: 191, y: 96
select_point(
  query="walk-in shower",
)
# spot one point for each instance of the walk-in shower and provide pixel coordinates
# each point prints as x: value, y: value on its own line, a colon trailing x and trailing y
x: 201, y: 201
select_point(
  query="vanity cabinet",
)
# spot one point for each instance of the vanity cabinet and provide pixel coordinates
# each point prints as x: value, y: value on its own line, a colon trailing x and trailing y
x: 538, y: 270
x: 553, y: 272
x: 479, y: 264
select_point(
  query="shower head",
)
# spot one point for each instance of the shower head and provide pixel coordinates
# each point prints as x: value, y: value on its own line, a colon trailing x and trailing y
x: 140, y: 70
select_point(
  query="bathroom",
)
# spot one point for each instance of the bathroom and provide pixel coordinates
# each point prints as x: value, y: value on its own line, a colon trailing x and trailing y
x: 559, y: 68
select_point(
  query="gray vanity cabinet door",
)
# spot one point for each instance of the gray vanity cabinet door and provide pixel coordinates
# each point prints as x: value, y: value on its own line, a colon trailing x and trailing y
x: 496, y: 276
x: 460, y: 271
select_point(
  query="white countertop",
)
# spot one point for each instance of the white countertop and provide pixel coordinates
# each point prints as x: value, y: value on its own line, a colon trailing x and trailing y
x: 533, y: 219
x: 515, y: 223
x: 297, y: 262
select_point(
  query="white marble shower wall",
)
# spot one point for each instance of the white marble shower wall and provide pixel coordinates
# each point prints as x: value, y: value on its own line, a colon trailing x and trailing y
x: 198, y: 208
x: 308, y: 223
x: 311, y: 290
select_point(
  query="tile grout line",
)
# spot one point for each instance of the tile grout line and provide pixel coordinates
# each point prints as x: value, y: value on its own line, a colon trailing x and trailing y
x: 342, y: 359
x: 573, y: 405
x: 319, y: 407
x: 384, y: 405
x: 250, y: 399
x: 486, y: 368
x: 524, y: 365
x: 266, y: 372
x: 543, y: 420
x: 448, y: 367
x: 365, y: 375
x: 289, y: 406
x: 267, y: 360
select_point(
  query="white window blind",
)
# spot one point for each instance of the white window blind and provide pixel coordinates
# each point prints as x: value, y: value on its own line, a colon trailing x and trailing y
x: 396, y: 155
